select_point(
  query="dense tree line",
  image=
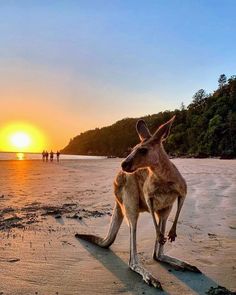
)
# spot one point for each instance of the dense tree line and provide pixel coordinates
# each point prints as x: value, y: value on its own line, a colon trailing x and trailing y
x: 207, y: 127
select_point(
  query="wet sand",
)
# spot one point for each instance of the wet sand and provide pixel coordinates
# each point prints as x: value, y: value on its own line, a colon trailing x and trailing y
x: 42, y: 206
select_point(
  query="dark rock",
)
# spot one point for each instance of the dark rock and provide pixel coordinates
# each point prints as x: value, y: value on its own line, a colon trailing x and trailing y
x: 58, y: 216
x: 219, y: 290
x: 227, y: 155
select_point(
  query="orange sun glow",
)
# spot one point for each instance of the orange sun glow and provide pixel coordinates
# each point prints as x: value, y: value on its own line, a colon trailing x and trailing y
x: 21, y: 137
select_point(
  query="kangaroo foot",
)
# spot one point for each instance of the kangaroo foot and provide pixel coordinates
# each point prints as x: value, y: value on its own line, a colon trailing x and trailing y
x: 147, y: 276
x: 177, y: 264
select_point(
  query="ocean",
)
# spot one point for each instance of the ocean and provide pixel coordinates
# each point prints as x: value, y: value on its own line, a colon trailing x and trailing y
x: 34, y: 156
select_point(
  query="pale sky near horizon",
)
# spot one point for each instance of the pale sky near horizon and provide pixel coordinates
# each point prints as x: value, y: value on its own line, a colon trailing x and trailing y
x: 69, y: 66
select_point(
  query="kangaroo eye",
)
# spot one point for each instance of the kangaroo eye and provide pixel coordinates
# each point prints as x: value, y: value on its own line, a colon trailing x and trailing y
x: 143, y: 151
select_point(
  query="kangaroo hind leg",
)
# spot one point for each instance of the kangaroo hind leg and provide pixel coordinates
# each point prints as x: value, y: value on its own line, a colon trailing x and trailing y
x: 131, y: 214
x: 161, y: 239
x: 159, y: 248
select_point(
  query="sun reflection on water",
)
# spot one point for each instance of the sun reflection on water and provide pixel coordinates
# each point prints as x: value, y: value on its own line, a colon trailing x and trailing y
x: 20, y: 156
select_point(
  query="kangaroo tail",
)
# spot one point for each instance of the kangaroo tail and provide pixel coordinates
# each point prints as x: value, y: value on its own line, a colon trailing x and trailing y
x: 116, y: 220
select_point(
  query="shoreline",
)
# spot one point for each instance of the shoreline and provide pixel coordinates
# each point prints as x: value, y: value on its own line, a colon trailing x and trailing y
x: 84, y: 157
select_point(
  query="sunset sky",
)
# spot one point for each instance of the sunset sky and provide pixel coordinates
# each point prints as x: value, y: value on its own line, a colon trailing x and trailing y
x: 68, y: 66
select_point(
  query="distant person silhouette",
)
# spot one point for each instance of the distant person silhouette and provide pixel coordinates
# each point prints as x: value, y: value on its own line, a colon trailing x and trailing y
x: 46, y: 156
x: 58, y: 155
x: 51, y: 156
x: 43, y: 155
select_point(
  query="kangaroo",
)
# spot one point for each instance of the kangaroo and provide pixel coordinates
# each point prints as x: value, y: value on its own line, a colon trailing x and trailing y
x: 148, y: 181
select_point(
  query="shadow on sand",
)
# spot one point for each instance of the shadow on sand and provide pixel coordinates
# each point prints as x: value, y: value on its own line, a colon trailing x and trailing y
x: 194, y: 282
x: 132, y: 282
x: 199, y: 283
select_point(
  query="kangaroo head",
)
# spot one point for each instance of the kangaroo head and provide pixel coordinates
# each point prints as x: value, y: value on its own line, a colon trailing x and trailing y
x: 148, y: 152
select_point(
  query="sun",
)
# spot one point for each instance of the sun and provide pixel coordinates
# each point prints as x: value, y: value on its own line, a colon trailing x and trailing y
x: 20, y: 140
x: 21, y: 137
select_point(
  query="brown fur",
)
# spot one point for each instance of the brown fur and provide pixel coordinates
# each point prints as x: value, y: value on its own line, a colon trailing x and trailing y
x: 149, y: 181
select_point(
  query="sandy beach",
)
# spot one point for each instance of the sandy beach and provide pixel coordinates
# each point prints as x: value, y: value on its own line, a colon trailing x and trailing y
x: 43, y: 205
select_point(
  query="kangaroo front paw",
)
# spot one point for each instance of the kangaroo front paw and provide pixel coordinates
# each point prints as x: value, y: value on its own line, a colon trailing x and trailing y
x: 172, y: 235
x: 162, y: 239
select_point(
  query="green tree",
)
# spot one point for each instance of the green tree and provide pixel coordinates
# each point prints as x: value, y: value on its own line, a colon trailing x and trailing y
x: 222, y: 80
x: 198, y: 99
x: 207, y: 127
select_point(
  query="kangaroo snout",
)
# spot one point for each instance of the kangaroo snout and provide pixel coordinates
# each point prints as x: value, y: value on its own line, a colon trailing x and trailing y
x: 127, y: 166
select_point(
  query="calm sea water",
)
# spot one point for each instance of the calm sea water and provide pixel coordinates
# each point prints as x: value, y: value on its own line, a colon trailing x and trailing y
x: 29, y: 156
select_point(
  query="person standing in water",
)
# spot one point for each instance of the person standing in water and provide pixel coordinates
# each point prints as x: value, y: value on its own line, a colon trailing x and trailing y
x: 58, y: 155
x: 43, y: 155
x: 46, y: 156
x: 51, y: 156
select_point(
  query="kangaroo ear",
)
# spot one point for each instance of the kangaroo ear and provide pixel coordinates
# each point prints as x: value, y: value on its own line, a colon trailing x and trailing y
x: 163, y: 131
x: 142, y: 130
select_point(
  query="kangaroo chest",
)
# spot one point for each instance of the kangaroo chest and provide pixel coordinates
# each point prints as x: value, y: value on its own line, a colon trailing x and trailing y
x: 162, y: 193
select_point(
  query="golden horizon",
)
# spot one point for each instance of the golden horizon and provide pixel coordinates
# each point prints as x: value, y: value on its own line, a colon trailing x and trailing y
x: 22, y: 137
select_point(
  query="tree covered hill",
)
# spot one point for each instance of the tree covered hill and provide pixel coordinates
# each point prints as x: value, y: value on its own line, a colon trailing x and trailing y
x: 207, y: 127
